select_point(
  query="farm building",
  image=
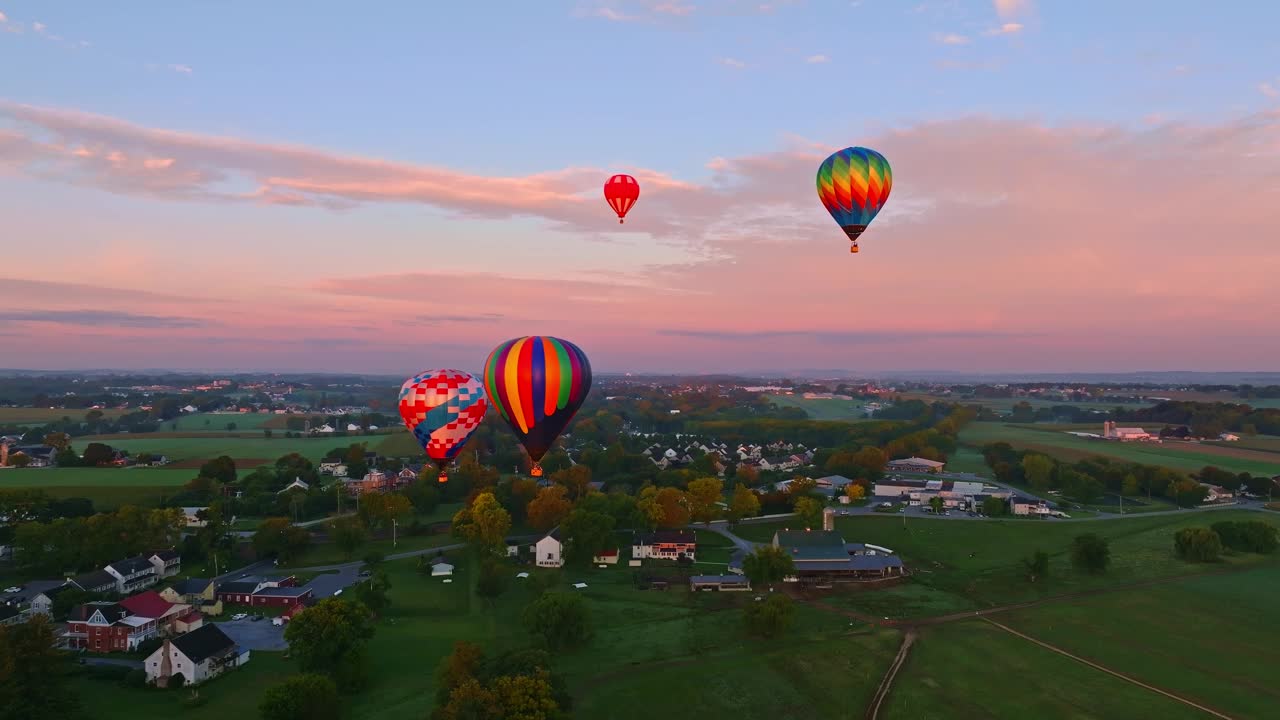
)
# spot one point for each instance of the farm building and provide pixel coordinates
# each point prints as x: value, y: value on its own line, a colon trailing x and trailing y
x: 915, y: 464
x: 823, y: 557
x: 718, y: 582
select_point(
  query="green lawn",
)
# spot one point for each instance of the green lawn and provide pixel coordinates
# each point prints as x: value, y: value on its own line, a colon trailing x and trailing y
x: 217, y: 422
x: 260, y: 449
x: 94, y: 477
x: 1183, y: 457
x: 980, y: 561
x: 329, y: 554
x: 397, y: 444
x: 975, y: 670
x: 1211, y: 638
x: 823, y: 409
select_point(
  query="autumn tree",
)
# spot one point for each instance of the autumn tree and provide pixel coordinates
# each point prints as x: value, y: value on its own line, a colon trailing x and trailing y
x: 330, y: 638
x: 744, y: 504
x: 1038, y: 469
x: 855, y: 492
x: 457, y: 667
x: 484, y: 524
x: 801, y: 487
x: 380, y: 510
x: 549, y: 508
x: 748, y: 475
x: 575, y: 480
x: 675, y: 507
x: 704, y: 496
x: 810, y: 512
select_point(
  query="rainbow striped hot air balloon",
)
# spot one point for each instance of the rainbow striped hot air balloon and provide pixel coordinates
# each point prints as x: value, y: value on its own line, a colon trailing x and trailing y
x: 537, y: 383
x: 853, y: 185
x: 442, y: 408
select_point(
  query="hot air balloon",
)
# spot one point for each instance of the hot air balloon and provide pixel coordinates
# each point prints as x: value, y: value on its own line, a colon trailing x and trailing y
x: 537, y: 383
x: 442, y: 408
x: 853, y: 185
x: 621, y: 192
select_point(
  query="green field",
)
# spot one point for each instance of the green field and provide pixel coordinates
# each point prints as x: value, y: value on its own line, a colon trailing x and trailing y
x: 328, y: 554
x: 217, y: 422
x: 975, y: 670
x: 1184, y: 457
x: 40, y: 416
x: 94, y: 477
x: 1210, y: 638
x: 1005, y: 405
x: 823, y: 409
x: 397, y: 444
x: 258, y: 448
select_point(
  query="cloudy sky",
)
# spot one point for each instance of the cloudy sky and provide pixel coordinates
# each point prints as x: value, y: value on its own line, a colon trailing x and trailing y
x: 295, y: 185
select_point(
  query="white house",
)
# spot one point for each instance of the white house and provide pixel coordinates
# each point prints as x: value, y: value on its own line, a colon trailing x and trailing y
x: 167, y: 563
x: 336, y: 468
x: 297, y: 484
x: 549, y: 551
x: 199, y: 655
x: 133, y: 574
x: 326, y: 428
x: 1029, y: 506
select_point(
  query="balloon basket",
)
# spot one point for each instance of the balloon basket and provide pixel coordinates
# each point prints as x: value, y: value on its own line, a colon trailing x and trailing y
x: 853, y: 248
x: 620, y: 221
x: 536, y: 470
x: 442, y: 478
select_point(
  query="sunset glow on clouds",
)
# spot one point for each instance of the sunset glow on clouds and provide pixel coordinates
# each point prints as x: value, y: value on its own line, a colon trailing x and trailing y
x: 1009, y: 243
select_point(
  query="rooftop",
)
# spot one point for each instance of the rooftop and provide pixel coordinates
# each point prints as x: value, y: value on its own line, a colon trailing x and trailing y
x: 204, y: 642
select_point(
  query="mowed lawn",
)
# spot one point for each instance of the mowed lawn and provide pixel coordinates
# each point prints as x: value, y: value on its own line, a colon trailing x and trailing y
x: 978, y: 563
x: 1184, y: 457
x: 1215, y: 639
x: 823, y: 409
x: 975, y: 670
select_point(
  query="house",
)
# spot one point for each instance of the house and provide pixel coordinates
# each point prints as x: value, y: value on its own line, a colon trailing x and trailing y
x: 1217, y: 493
x: 326, y: 429
x: 916, y: 465
x: 1019, y: 505
x: 167, y: 563
x: 42, y: 603
x: 38, y: 456
x: 285, y: 597
x: 106, y: 627
x: 336, y: 468
x: 664, y: 544
x: 98, y: 581
x: 198, y: 593
x: 133, y: 574
x: 441, y: 568
x: 193, y: 517
x: 719, y: 582
x: 151, y: 604
x: 197, y: 656
x: 606, y: 557
x: 240, y: 592
x: 549, y: 551
x: 513, y: 548
x: 297, y: 484
x: 823, y: 557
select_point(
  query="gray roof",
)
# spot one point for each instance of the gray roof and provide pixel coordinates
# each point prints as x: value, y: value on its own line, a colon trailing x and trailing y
x: 128, y: 566
x: 283, y: 592
x: 244, y: 587
x: 717, y: 578
x: 856, y: 562
x: 192, y: 586
x: 204, y: 642
x: 95, y: 579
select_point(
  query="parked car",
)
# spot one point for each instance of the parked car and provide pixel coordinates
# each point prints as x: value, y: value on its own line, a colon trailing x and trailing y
x: 16, y: 588
x: 277, y: 621
x: 239, y: 616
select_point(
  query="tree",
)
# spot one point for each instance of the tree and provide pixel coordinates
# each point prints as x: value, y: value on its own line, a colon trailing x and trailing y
x: 744, y: 504
x: 1091, y: 553
x: 855, y: 491
x: 423, y: 495
x: 748, y: 475
x: 222, y: 469
x: 278, y: 537
x: 33, y: 674
x: 994, y: 507
x: 456, y: 668
x: 1197, y: 544
x: 1036, y: 565
x: 1248, y: 536
x: 348, y: 533
x: 587, y: 533
x: 559, y: 619
x: 494, y: 578
x: 704, y: 495
x: 19, y: 460
x: 1038, y: 469
x: 575, y: 479
x: 308, y: 696
x: 770, y: 617
x: 525, y: 697
x: 372, y: 593
x: 936, y: 504
x: 96, y: 454
x: 1129, y: 486
x: 672, y: 502
x: 330, y: 638
x: 801, y: 487
x: 380, y: 510
x: 768, y: 564
x: 59, y: 441
x: 810, y: 512
x: 548, y: 508
x: 357, y: 467
x: 485, y: 524
x: 1082, y: 488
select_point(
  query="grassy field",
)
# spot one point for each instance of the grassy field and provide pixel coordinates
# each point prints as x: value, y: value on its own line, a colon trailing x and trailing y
x: 94, y: 477
x: 979, y: 562
x: 40, y: 416
x: 823, y: 409
x: 1005, y: 405
x: 1184, y: 457
x: 1223, y: 397
x: 397, y: 444
x: 255, y: 449
x: 1210, y: 638
x: 217, y: 422
x: 975, y: 670
x: 328, y: 554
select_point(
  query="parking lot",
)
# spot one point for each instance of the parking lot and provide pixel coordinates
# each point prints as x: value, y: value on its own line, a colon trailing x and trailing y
x: 260, y: 635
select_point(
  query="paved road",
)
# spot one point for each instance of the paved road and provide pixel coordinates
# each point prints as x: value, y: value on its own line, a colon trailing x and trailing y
x: 30, y: 589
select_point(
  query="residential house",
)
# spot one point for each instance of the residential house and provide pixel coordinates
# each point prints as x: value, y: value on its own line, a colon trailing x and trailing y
x: 151, y: 604
x: 374, y: 481
x: 325, y: 429
x: 823, y: 556
x: 405, y: 477
x: 1217, y: 493
x: 106, y: 627
x: 916, y: 465
x: 42, y: 603
x: 549, y: 551
x: 513, y: 548
x: 1019, y: 505
x: 38, y: 456
x: 167, y: 563
x: 198, y: 593
x: 664, y: 544
x: 336, y: 468
x: 606, y: 557
x: 98, y: 581
x: 197, y: 656
x: 133, y: 574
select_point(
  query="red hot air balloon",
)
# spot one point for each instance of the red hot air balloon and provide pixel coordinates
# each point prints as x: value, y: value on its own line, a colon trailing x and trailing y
x: 621, y: 192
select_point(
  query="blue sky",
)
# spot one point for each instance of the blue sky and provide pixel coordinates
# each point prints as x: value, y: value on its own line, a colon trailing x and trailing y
x: 225, y: 158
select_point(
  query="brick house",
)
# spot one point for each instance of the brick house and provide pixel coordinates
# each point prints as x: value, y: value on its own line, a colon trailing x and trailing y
x: 106, y: 627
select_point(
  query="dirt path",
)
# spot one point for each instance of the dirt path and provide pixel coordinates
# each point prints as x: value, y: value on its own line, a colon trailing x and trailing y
x: 882, y: 692
x: 1109, y: 671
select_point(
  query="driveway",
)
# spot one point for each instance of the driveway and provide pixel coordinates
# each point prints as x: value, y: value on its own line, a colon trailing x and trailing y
x: 261, y: 635
x: 326, y: 585
x: 30, y: 589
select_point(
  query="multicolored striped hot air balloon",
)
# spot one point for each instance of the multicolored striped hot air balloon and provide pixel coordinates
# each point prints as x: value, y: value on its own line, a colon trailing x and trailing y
x: 853, y: 185
x: 537, y: 383
x: 442, y: 408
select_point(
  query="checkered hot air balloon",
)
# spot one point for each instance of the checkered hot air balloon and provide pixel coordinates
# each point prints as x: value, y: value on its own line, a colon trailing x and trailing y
x: 853, y: 185
x: 537, y: 384
x: 621, y: 192
x: 442, y: 408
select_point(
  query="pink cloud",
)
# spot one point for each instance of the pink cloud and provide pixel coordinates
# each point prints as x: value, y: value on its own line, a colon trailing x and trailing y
x: 1006, y: 9
x: 1005, y: 244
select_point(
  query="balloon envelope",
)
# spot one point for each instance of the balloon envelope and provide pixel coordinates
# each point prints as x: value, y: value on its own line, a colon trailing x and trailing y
x: 854, y: 184
x: 621, y: 192
x: 537, y: 383
x: 442, y: 408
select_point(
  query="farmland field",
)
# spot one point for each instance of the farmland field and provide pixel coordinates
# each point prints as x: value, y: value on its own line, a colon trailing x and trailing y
x: 1184, y: 457
x: 1223, y: 397
x: 238, y: 448
x: 217, y: 422
x: 1005, y: 405
x: 823, y: 409
x: 88, y: 477
x: 40, y: 416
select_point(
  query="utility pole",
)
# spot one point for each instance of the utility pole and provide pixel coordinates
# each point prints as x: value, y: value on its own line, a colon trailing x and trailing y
x: 394, y: 523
